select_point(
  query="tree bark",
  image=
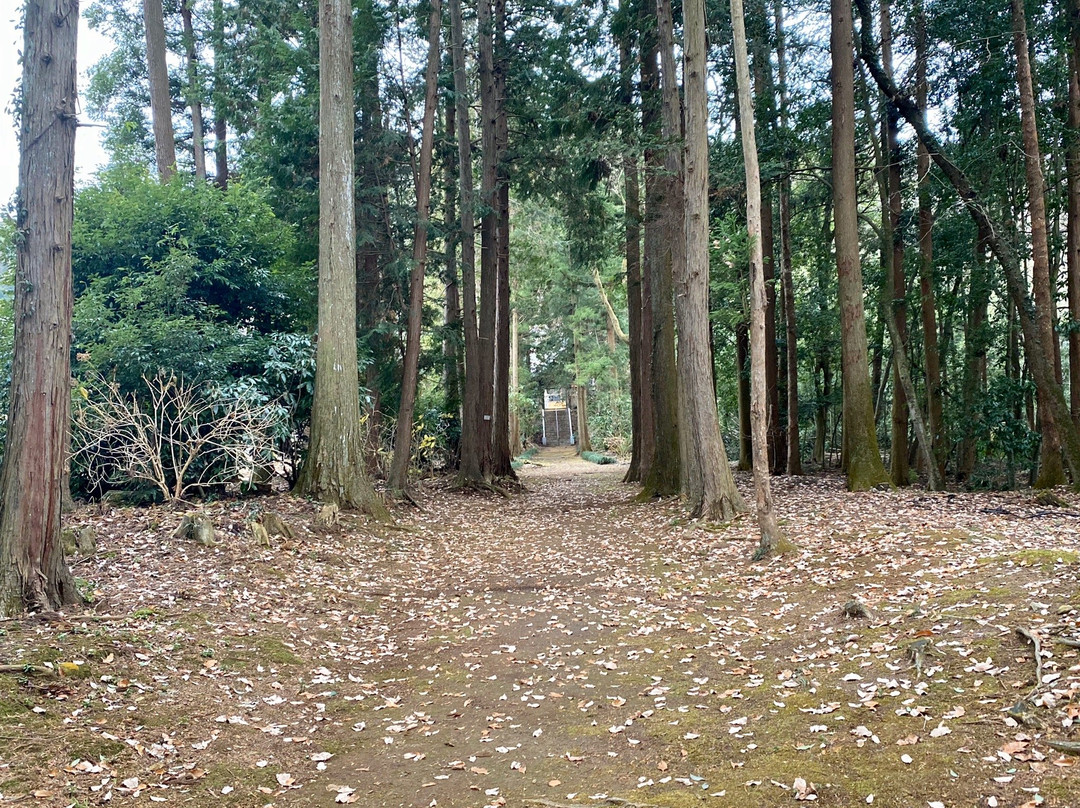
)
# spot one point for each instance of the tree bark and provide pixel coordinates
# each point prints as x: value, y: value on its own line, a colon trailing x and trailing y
x: 515, y: 354
x: 194, y: 91
x: 862, y: 460
x: 1072, y: 173
x: 1051, y: 470
x: 773, y: 541
x: 334, y: 468
x: 656, y: 278
x: 665, y: 215
x: 976, y: 343
x: 33, y: 573
x: 398, y: 478
x: 742, y: 363
x: 794, y: 460
x: 160, y: 97
x: 489, y: 236
x: 896, y: 303
x: 502, y: 456
x: 652, y: 225
x: 1040, y: 360
x: 639, y: 342
x: 632, y: 252
x: 935, y: 404
x: 452, y: 366
x: 471, y: 470
x: 715, y: 496
x: 764, y: 92
x: 904, y: 386
x: 821, y: 411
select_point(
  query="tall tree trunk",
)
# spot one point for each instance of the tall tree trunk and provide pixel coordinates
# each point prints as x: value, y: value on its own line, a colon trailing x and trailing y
x: 862, y: 460
x: 935, y: 404
x: 891, y: 308
x: 773, y: 540
x: 160, y: 97
x: 821, y: 412
x: 976, y: 343
x: 489, y: 229
x: 794, y: 461
x: 742, y: 363
x: 640, y: 403
x: 903, y: 375
x: 194, y: 91
x: 1051, y: 470
x: 777, y: 453
x: 221, y: 154
x: 334, y: 468
x: 579, y: 397
x: 764, y: 92
x: 373, y: 252
x: 1039, y: 359
x: 1072, y: 173
x: 452, y: 366
x: 715, y: 496
x: 33, y: 573
x: 664, y: 215
x: 671, y: 460
x: 471, y: 471
x: 897, y: 305
x: 399, y: 467
x: 515, y: 353
x: 502, y: 457
x: 652, y: 232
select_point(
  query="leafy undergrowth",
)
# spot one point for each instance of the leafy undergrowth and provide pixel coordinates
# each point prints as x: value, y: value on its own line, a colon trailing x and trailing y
x: 564, y: 646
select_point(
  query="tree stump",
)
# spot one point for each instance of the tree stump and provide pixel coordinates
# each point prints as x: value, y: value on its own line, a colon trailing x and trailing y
x: 197, y: 526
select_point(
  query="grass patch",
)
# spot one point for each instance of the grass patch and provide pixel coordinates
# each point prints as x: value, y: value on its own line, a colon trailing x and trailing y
x: 518, y: 462
x: 98, y: 749
x: 259, y: 651
x: 598, y: 458
x: 245, y: 781
x: 1035, y: 558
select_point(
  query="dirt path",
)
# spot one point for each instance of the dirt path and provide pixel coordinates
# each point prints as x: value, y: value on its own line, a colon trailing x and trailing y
x: 564, y: 646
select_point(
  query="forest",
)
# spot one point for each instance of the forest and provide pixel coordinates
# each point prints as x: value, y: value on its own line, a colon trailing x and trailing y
x: 285, y: 491
x: 195, y: 252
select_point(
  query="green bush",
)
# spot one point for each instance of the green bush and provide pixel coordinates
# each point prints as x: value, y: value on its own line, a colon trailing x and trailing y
x: 181, y: 276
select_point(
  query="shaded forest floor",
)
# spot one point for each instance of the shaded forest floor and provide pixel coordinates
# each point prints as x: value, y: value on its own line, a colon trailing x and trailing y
x: 564, y: 646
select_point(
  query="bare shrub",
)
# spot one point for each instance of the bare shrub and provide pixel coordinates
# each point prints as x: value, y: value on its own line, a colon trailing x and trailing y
x: 177, y: 436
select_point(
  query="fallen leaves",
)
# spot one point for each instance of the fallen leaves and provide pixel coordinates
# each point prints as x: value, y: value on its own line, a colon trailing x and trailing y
x: 585, y: 639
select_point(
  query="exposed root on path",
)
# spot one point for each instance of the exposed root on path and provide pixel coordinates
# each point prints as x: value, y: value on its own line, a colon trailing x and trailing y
x: 479, y: 486
x: 403, y: 495
x: 608, y: 801
x: 1033, y: 638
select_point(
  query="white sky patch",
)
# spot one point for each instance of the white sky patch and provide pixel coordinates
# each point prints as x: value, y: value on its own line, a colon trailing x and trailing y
x: 89, y: 154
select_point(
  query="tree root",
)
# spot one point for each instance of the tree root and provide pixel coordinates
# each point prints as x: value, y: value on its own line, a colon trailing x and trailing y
x: 480, y: 486
x: 37, y: 670
x: 54, y: 618
x: 404, y: 495
x: 1033, y: 638
x: 608, y: 801
x: 918, y: 652
x: 1068, y: 747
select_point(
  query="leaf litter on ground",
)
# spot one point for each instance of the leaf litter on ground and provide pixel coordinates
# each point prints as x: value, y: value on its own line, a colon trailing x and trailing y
x: 566, y: 645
